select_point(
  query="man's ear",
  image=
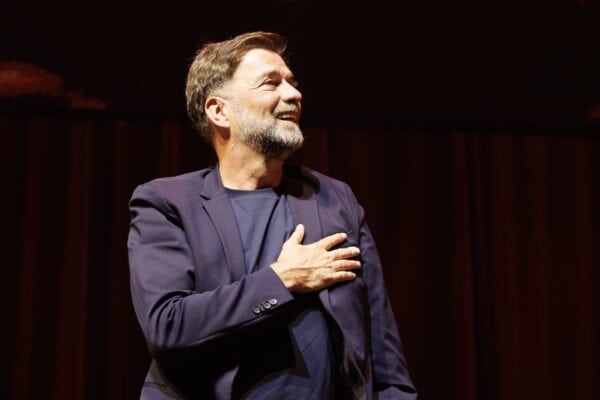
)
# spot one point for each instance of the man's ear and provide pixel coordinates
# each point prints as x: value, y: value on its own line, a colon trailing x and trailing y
x: 215, y: 111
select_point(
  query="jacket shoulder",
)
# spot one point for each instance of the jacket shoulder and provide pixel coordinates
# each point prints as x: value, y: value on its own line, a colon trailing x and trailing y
x: 326, y: 189
x: 185, y: 184
x: 316, y: 180
x: 170, y: 194
x: 193, y: 179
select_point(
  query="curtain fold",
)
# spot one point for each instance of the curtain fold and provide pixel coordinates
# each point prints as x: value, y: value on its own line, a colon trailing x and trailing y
x: 488, y: 240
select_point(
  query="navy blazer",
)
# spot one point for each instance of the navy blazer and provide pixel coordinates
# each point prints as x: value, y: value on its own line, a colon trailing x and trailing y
x: 202, y: 315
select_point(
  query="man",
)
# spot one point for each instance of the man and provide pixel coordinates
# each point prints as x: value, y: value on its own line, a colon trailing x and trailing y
x: 254, y: 279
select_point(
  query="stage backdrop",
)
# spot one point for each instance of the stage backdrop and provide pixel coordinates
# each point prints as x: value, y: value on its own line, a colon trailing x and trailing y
x: 489, y: 240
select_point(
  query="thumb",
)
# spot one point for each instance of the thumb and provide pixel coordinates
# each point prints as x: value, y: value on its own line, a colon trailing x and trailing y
x: 297, y: 235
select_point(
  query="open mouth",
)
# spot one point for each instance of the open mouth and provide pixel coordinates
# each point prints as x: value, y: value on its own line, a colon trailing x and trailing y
x: 292, y: 117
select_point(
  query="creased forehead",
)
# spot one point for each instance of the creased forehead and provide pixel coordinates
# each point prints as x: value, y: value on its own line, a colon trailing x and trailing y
x: 260, y: 62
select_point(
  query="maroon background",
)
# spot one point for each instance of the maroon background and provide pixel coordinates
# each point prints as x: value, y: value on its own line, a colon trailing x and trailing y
x: 464, y: 127
x: 489, y: 240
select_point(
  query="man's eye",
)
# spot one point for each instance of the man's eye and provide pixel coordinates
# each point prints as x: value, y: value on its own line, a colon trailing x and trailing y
x: 270, y: 82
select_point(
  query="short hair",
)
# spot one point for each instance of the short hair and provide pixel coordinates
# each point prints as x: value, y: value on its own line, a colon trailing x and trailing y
x: 215, y: 64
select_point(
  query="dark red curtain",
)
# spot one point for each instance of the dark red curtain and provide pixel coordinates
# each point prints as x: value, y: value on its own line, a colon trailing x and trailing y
x: 489, y: 241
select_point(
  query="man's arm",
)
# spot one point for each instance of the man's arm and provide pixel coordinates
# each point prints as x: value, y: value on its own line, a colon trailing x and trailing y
x: 172, y: 315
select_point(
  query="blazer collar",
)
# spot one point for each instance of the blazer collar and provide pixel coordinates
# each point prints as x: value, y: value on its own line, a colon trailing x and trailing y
x: 212, y: 184
x: 217, y: 206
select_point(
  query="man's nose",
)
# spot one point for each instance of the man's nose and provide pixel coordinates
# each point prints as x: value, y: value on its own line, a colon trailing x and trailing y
x: 290, y: 93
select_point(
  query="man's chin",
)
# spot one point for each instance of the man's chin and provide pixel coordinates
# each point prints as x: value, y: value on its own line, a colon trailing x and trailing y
x: 281, y: 153
x: 281, y: 150
x: 289, y: 126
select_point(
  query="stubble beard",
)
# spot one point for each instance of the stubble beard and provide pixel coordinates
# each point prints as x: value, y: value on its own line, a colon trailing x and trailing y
x: 270, y: 138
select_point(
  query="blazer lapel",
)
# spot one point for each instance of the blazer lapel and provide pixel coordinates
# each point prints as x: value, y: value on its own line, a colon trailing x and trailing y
x: 218, y: 207
x: 305, y: 211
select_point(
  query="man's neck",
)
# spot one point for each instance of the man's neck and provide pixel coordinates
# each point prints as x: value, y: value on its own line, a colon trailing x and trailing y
x: 250, y: 173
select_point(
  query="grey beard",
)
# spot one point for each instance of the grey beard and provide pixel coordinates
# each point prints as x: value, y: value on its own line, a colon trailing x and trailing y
x: 273, y: 142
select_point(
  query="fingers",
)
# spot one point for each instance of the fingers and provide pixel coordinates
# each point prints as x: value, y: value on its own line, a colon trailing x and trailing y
x: 344, y: 253
x: 341, y: 271
x: 329, y: 241
x: 344, y: 265
x: 298, y: 234
x: 341, y: 276
x: 326, y: 243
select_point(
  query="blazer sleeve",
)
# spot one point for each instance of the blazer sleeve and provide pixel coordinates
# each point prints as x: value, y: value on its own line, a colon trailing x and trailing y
x: 171, y: 314
x: 391, y: 379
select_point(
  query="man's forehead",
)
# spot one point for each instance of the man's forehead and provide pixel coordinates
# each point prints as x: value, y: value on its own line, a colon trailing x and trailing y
x: 259, y: 62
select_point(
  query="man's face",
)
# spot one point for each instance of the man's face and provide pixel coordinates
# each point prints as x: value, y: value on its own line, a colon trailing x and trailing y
x: 265, y: 105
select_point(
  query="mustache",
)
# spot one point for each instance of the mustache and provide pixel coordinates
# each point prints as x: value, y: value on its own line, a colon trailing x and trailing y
x: 287, y: 108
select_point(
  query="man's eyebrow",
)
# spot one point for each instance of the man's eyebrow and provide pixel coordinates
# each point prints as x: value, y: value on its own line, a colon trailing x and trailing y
x: 271, y: 73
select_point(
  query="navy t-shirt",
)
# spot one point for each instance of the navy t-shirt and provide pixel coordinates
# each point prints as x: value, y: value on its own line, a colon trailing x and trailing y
x: 265, y: 223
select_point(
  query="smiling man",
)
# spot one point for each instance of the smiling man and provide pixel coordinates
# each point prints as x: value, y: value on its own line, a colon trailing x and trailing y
x: 255, y: 279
